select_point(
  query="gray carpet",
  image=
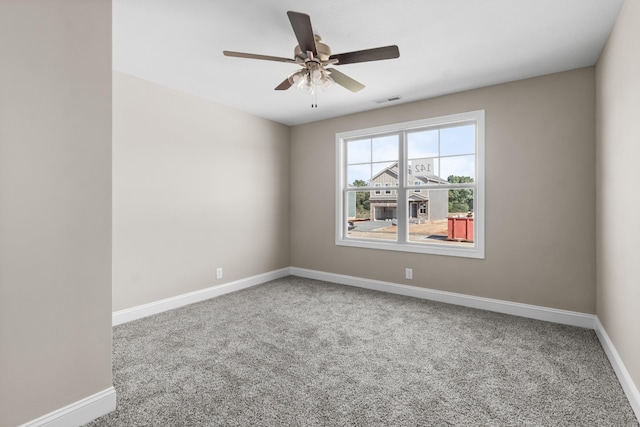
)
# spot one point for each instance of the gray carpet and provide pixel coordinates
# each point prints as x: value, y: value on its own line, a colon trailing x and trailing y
x: 303, y: 352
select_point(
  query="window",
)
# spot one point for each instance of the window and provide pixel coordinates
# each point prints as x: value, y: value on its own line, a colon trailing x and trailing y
x: 432, y: 172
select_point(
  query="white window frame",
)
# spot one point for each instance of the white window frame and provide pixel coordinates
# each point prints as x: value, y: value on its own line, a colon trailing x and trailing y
x: 403, y: 243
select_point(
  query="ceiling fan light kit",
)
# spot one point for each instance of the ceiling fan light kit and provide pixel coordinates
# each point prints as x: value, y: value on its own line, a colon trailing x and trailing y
x: 311, y: 77
x: 314, y: 56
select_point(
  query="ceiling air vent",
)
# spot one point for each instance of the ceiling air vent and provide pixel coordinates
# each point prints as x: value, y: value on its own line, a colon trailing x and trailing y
x: 382, y: 101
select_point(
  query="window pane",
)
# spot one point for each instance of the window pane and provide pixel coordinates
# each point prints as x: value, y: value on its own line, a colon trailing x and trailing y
x: 458, y: 140
x: 441, y: 217
x: 370, y: 218
x: 358, y: 205
x: 462, y: 166
x: 421, y: 167
x: 422, y: 144
x: 460, y: 202
x: 384, y: 148
x: 385, y: 171
x: 358, y: 175
x: 359, y: 151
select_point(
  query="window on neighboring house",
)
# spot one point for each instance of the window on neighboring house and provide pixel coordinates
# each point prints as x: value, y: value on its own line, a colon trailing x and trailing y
x: 432, y: 167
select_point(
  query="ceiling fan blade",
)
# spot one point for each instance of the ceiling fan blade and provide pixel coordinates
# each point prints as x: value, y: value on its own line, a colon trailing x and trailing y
x: 345, y: 81
x: 286, y: 84
x: 254, y: 56
x: 301, y: 24
x: 375, y: 54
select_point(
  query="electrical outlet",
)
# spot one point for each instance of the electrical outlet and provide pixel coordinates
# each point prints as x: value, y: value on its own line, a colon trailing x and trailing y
x: 408, y: 273
x: 219, y: 273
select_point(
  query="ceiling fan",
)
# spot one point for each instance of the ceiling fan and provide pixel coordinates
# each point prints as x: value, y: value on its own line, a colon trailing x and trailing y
x: 314, y: 57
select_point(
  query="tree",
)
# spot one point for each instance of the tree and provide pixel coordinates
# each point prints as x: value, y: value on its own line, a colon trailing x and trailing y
x: 460, y: 200
x: 362, y: 200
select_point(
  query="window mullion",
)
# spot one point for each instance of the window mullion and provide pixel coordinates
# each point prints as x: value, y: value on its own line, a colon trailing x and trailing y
x: 403, y: 215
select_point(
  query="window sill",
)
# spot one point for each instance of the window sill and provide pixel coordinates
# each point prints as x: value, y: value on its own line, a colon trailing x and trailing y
x: 444, y: 249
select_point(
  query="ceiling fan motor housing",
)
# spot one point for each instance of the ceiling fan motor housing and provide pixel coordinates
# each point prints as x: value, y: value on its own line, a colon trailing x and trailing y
x: 323, y: 50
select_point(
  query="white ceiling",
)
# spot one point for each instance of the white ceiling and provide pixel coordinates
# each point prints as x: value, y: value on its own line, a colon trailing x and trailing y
x: 445, y: 46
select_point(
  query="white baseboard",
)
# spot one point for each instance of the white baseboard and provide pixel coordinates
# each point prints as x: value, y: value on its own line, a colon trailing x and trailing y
x: 564, y: 317
x: 623, y: 375
x: 80, y: 412
x: 138, y: 312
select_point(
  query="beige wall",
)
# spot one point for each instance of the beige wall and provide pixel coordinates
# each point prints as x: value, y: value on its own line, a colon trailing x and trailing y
x: 540, y: 196
x: 55, y: 205
x: 196, y: 186
x: 618, y: 153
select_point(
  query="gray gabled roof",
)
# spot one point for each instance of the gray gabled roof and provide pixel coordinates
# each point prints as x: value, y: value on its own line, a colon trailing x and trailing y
x: 431, y: 179
x: 417, y: 196
x: 427, y: 179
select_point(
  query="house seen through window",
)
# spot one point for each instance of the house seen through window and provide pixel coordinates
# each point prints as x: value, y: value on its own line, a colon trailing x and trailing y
x: 432, y: 174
